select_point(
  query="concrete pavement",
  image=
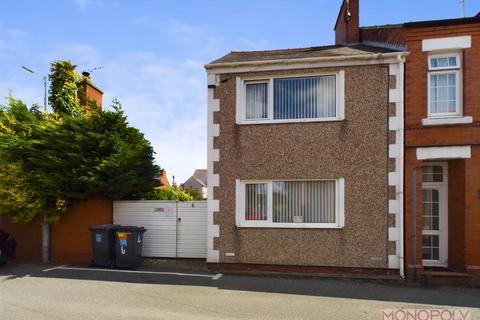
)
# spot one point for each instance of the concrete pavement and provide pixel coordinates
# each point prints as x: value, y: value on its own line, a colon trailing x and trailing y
x: 27, y: 292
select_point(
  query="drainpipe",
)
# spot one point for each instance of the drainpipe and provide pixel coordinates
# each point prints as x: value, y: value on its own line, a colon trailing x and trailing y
x: 45, y: 240
x: 400, y: 110
x: 414, y: 223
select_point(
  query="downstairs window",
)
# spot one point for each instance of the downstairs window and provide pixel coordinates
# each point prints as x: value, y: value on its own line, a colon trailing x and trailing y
x: 290, y: 203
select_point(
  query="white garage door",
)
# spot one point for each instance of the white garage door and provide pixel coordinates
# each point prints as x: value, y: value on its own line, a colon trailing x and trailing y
x: 174, y: 230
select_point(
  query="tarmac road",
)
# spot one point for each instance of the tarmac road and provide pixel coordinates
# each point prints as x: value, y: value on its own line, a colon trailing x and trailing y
x: 29, y: 292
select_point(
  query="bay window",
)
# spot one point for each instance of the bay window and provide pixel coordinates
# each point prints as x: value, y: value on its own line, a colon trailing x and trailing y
x: 290, y: 203
x: 291, y: 99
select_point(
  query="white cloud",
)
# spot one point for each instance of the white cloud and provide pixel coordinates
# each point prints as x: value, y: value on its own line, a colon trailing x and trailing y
x: 164, y: 97
x: 82, y: 55
x: 200, y: 41
x: 82, y: 4
x: 12, y: 41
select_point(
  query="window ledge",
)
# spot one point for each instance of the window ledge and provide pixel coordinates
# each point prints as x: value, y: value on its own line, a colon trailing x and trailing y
x: 447, y: 121
x: 289, y: 225
x: 246, y: 122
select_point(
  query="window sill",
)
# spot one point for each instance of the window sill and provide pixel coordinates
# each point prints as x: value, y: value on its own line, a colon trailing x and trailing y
x: 246, y: 122
x: 270, y: 225
x: 447, y: 121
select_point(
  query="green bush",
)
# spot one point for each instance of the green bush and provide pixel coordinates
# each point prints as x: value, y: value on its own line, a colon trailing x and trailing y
x: 169, y: 193
x: 194, y: 193
x: 50, y: 160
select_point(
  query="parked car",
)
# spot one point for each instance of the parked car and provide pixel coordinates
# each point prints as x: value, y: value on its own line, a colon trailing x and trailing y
x: 7, y: 247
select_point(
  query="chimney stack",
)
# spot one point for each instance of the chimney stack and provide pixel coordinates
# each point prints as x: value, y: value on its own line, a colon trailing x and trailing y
x: 163, y: 178
x: 88, y: 92
x: 347, y: 27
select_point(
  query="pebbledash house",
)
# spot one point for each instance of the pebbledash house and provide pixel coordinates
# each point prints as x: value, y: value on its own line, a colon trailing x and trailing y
x: 363, y: 156
x: 305, y: 156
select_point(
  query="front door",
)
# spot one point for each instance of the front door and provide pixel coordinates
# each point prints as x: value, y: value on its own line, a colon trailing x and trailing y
x: 435, y: 214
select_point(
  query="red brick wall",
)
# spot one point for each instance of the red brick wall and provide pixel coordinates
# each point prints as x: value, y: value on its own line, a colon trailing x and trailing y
x: 348, y: 32
x: 94, y: 95
x: 416, y: 85
x: 69, y: 239
x: 456, y: 214
x: 472, y: 211
x: 411, y: 163
x: 418, y: 136
x: 28, y: 237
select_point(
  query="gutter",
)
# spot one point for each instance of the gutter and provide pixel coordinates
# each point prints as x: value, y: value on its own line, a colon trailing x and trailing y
x: 370, y: 56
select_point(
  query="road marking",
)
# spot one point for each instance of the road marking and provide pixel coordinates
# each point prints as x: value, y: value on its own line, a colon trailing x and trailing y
x: 55, y: 268
x: 217, y: 276
x: 65, y: 267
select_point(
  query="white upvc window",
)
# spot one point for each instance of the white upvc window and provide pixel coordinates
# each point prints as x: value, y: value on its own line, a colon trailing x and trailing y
x: 444, y: 85
x: 295, y: 98
x: 290, y: 203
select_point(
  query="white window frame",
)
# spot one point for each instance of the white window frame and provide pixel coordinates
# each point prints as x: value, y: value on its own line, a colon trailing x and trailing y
x: 240, y: 207
x: 268, y: 98
x: 241, y: 98
x: 445, y: 70
x: 442, y: 187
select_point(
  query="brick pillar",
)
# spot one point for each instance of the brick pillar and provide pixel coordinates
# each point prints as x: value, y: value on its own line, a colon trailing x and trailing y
x: 472, y: 211
x: 411, y: 162
x: 456, y: 215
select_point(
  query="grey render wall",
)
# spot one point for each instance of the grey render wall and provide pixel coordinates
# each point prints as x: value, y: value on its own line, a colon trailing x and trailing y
x: 355, y: 149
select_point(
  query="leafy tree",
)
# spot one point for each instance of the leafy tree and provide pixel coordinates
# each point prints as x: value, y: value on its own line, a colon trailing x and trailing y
x: 196, y: 195
x: 169, y: 193
x: 49, y: 161
x: 63, y: 89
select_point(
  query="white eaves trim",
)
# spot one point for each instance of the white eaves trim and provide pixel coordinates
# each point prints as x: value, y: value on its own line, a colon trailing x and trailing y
x: 447, y: 121
x: 447, y: 43
x: 456, y: 152
x: 304, y: 63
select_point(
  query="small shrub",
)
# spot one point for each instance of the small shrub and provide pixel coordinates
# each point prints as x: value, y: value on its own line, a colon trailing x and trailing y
x: 169, y: 193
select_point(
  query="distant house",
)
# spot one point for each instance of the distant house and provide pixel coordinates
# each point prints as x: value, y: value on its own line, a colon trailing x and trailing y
x: 162, y: 178
x: 197, y: 181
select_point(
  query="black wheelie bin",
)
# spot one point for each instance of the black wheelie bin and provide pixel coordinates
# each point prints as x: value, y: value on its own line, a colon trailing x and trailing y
x: 103, y: 241
x: 128, y: 247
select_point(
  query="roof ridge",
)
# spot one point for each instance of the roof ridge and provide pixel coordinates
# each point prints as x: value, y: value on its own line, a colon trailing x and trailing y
x: 421, y: 22
x: 393, y: 25
x: 289, y: 49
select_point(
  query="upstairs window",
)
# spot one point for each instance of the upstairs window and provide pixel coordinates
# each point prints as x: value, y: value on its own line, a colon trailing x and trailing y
x: 304, y: 98
x: 256, y: 100
x: 291, y: 99
x: 444, y: 85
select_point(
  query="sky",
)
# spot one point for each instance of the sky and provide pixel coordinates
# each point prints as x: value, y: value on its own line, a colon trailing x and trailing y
x: 153, y: 51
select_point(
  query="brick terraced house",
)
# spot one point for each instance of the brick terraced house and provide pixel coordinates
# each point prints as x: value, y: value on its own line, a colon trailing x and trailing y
x: 305, y: 156
x: 442, y: 140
